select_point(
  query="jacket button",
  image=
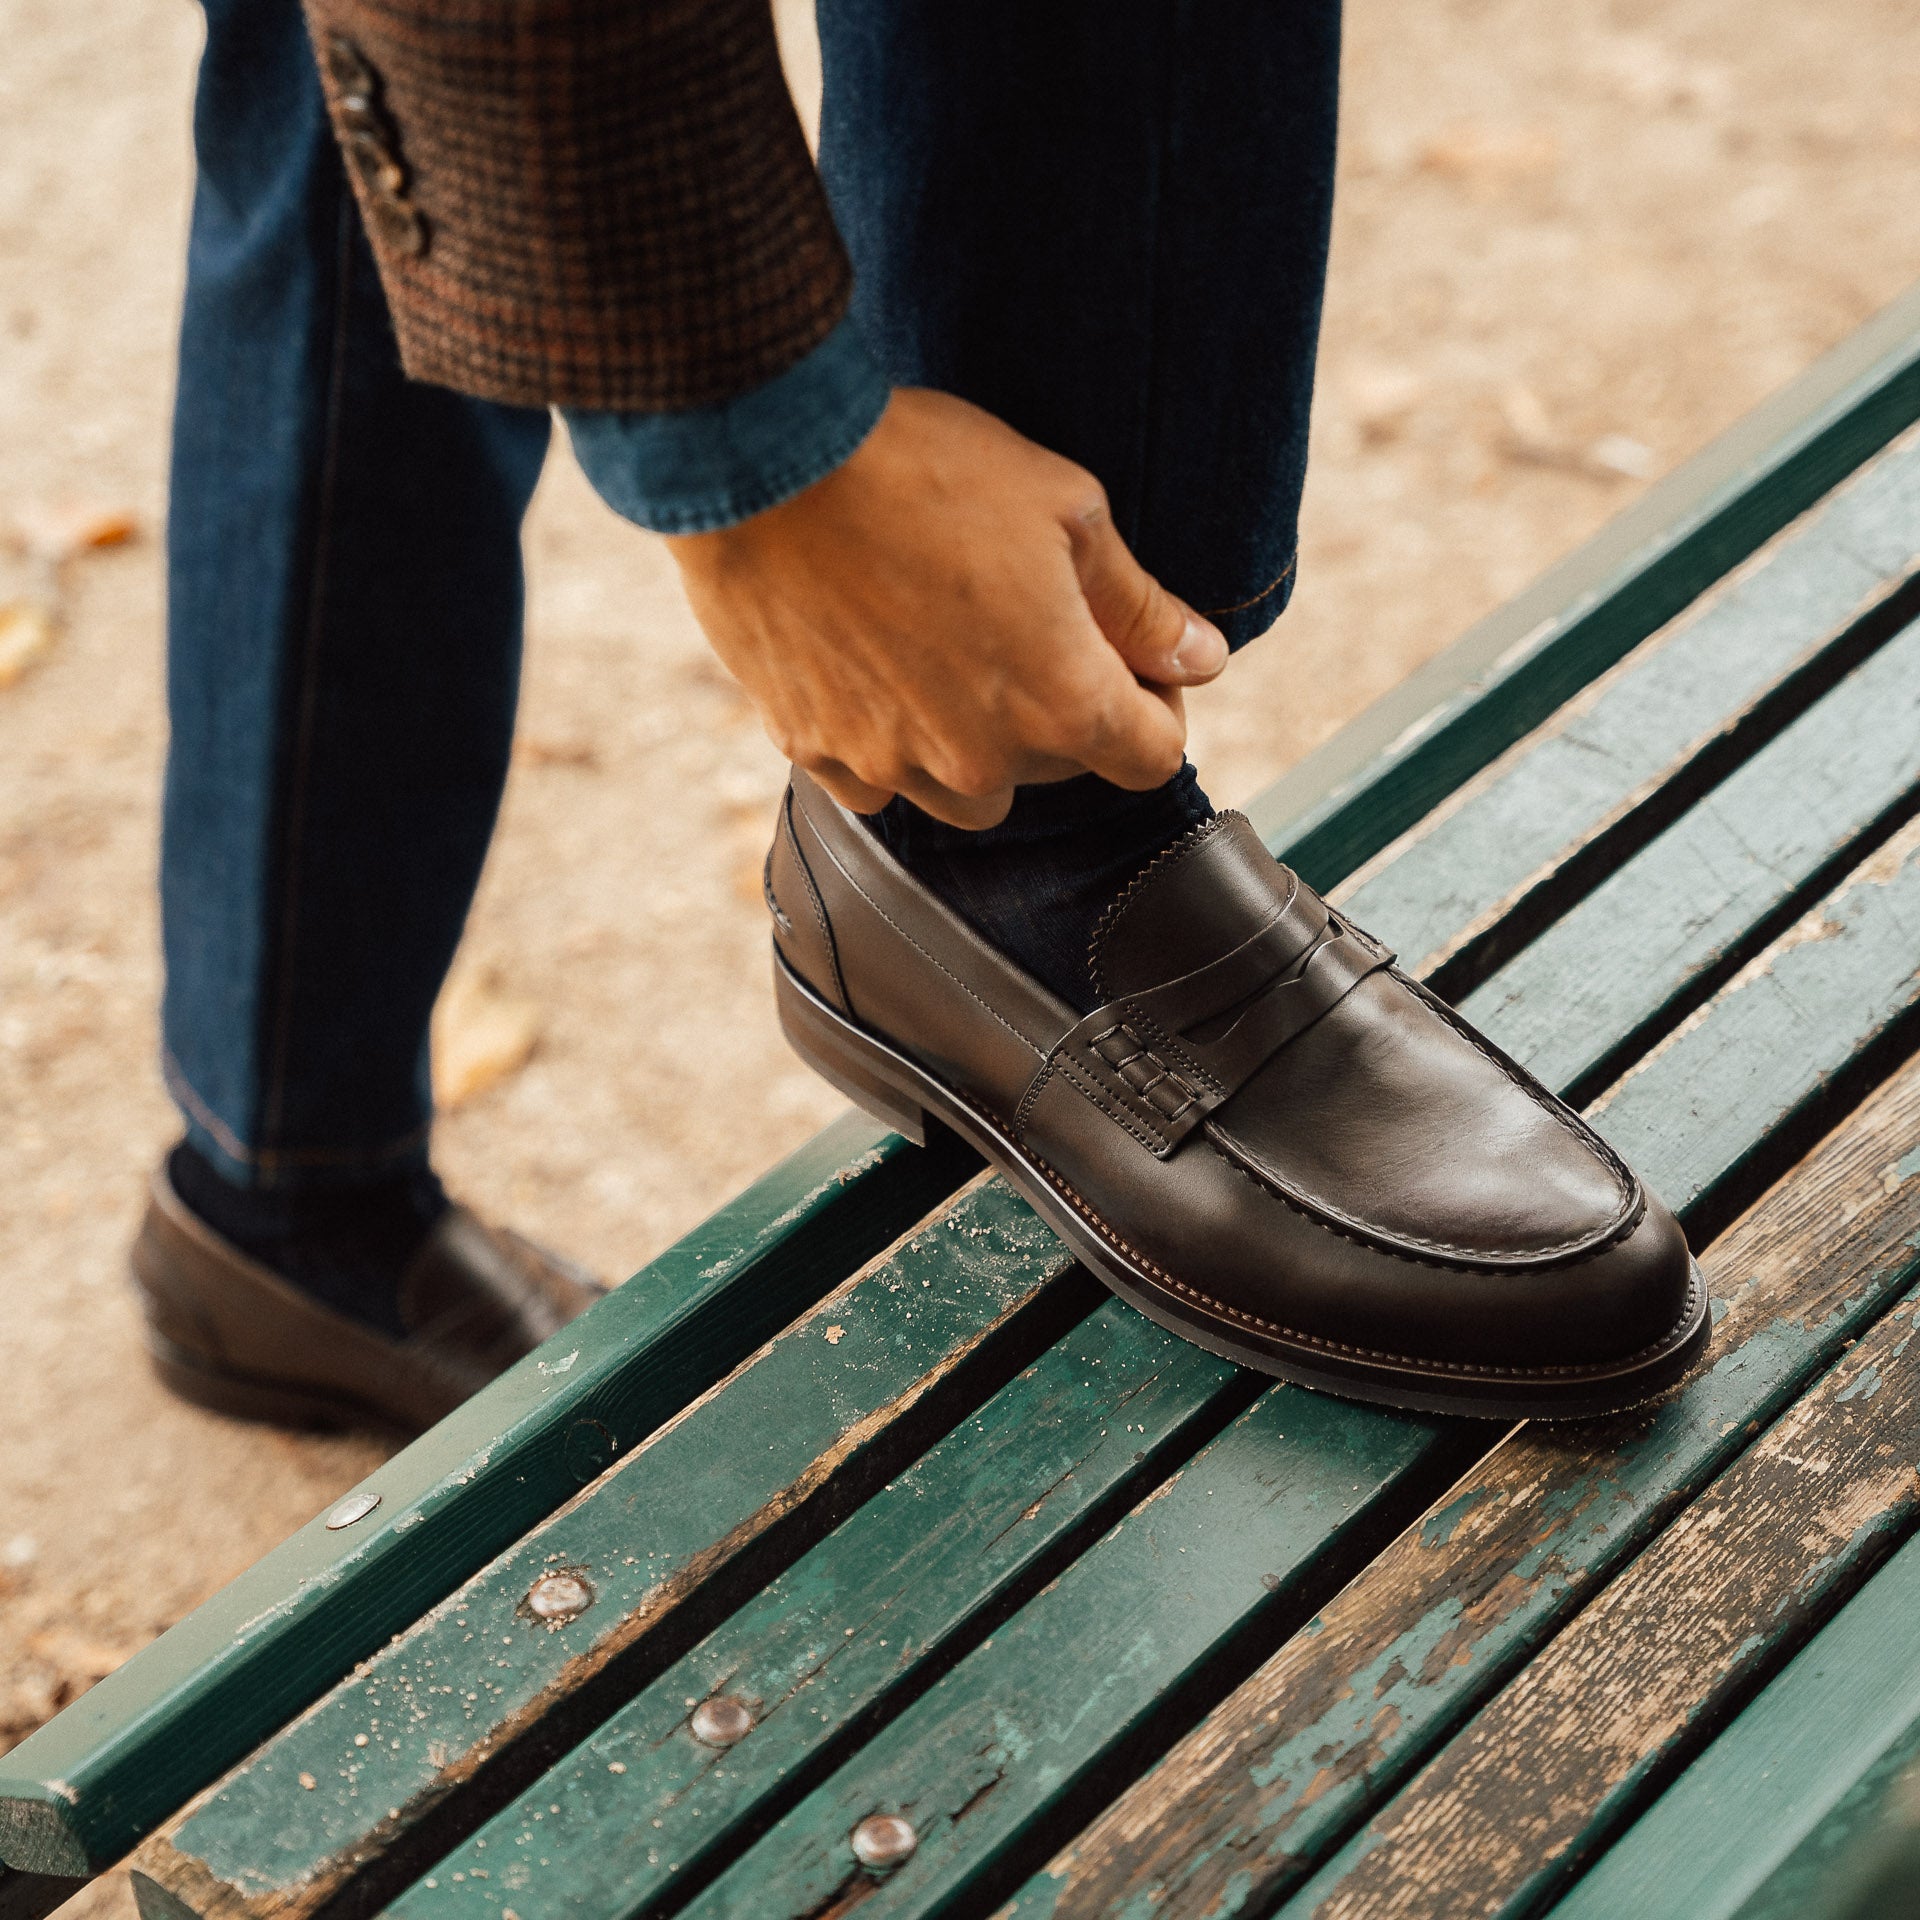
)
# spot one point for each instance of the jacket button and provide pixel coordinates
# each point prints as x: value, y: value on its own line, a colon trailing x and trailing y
x: 372, y: 142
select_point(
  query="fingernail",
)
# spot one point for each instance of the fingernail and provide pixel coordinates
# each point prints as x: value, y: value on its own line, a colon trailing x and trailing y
x: 1201, y: 652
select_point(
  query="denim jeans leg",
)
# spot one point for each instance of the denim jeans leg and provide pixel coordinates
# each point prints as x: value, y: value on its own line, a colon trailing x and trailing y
x: 344, y: 608
x: 1107, y: 224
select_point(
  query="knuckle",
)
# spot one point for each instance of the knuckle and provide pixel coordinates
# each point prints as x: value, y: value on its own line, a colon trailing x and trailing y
x: 1087, y: 507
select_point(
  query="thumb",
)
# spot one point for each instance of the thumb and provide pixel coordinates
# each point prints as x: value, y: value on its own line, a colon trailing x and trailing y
x: 1161, y: 638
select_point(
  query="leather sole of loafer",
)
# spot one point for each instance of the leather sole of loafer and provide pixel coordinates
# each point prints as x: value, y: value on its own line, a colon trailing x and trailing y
x: 276, y: 1403
x: 895, y: 1089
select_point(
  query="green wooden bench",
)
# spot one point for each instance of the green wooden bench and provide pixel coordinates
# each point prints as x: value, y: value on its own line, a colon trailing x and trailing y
x: 861, y: 1552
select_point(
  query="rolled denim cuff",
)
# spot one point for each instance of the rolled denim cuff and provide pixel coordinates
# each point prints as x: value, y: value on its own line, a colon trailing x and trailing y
x: 711, y: 466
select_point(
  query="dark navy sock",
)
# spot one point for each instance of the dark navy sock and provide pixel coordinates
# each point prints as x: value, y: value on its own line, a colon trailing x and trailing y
x: 347, y: 1248
x: 1037, y: 884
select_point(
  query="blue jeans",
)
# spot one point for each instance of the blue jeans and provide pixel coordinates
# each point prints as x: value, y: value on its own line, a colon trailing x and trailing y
x: 1107, y: 224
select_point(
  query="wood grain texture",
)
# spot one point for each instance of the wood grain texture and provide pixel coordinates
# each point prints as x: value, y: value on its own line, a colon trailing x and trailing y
x: 1842, y: 981
x: 1768, y: 1821
x: 1550, y: 1767
x: 1638, y: 729
x: 1783, y: 1055
x: 80, y: 1791
x: 1096, y: 1421
x: 822, y: 1402
x: 915, y: 1749
x: 1398, y: 761
x: 994, y: 1748
x: 1671, y: 916
x: 1276, y: 1776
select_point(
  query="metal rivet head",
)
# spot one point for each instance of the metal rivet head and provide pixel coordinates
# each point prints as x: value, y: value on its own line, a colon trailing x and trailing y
x: 558, y: 1597
x: 883, y: 1840
x: 721, y: 1721
x: 356, y: 1506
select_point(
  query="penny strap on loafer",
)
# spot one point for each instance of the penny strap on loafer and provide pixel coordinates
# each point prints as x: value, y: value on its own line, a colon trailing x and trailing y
x: 1169, y: 1055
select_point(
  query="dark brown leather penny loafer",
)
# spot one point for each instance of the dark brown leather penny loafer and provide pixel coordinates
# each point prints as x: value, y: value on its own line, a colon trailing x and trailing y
x: 229, y: 1334
x: 1267, y: 1137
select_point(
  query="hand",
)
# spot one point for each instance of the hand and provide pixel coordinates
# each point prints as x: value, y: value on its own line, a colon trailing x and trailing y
x: 949, y: 614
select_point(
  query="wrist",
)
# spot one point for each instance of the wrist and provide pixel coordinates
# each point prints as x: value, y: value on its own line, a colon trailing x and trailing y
x: 685, y: 474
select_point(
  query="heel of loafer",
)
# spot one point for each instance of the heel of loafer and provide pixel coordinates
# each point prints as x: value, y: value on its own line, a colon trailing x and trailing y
x: 190, y: 1378
x: 839, y: 1055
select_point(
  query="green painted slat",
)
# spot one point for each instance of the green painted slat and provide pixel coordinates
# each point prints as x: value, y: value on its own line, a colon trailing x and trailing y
x: 1443, y: 724
x: 846, y: 1395
x: 990, y: 1751
x: 1669, y: 1169
x: 1555, y: 1763
x: 1626, y: 739
x: 1061, y: 1662
x: 586, y: 1869
x: 1839, y: 982
x: 1272, y: 1781
x: 1097, y: 1420
x: 1765, y: 1822
x: 81, y: 1790
x: 1672, y: 913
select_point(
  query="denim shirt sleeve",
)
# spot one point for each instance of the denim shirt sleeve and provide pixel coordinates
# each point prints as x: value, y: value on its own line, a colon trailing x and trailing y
x: 710, y: 466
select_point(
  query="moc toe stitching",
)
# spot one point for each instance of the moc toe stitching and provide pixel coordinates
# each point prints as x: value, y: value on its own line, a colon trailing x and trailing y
x: 1412, y: 1246
x: 1413, y: 1252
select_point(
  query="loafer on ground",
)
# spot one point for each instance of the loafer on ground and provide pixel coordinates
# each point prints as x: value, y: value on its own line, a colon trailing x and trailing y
x: 1266, y: 1137
x: 228, y: 1333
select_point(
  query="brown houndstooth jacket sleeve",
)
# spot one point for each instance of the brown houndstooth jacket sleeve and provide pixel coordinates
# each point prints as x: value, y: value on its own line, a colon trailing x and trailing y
x: 588, y: 203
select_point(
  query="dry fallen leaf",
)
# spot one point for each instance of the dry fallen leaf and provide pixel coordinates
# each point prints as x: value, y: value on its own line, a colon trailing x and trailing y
x: 26, y: 632
x: 481, y: 1035
x: 1486, y: 157
x: 1381, y: 397
x: 533, y: 752
x: 1531, y: 437
x: 55, y: 534
x: 76, y: 1657
x: 835, y: 1335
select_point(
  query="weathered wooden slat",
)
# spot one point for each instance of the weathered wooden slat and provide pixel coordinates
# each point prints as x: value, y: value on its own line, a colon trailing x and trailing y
x: 1547, y: 1770
x: 1006, y: 1737
x: 1662, y: 926
x: 80, y: 1791
x: 643, y: 1804
x: 1379, y: 777
x: 670, y: 1849
x: 1651, y: 733
x: 1766, y: 1822
x: 1050, y: 1657
x: 845, y: 1396
x: 1241, y: 1809
x: 1681, y: 1174
x: 1841, y: 985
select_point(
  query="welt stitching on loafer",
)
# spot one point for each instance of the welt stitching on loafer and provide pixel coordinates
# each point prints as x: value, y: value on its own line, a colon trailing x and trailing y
x: 1411, y: 1361
x: 1266, y: 1137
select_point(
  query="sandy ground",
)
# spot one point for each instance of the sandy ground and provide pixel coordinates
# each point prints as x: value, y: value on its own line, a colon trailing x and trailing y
x: 1573, y: 243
